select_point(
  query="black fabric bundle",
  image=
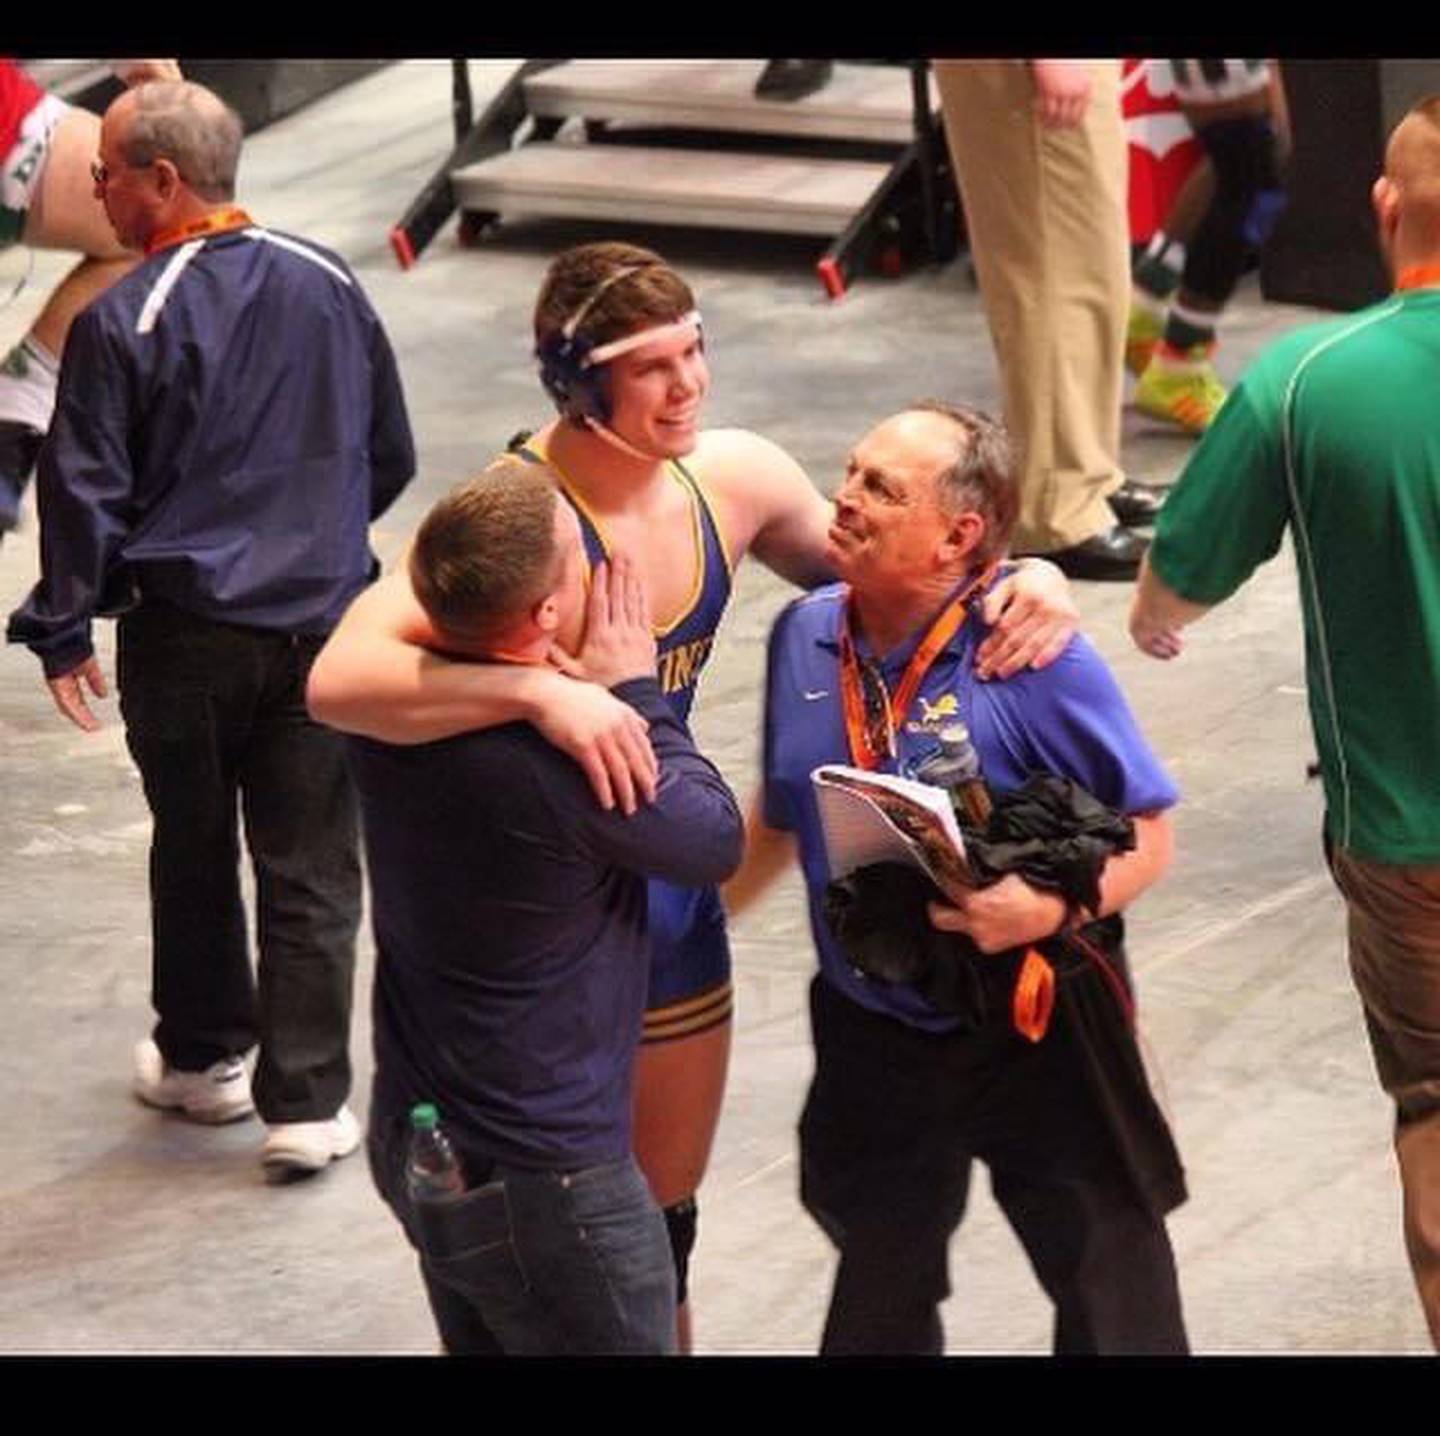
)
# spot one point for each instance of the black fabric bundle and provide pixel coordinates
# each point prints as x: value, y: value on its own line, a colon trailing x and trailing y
x: 1050, y: 831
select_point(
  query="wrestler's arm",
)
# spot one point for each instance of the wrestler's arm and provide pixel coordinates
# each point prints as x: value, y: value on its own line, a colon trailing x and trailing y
x: 778, y: 515
x: 376, y: 677
x: 768, y: 852
x: 1012, y: 913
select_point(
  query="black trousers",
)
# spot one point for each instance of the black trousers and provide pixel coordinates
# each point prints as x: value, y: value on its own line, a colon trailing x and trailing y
x: 894, y: 1120
x: 215, y: 716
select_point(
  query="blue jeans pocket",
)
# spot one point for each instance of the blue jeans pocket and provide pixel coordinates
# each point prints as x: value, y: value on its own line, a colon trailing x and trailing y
x: 450, y: 1228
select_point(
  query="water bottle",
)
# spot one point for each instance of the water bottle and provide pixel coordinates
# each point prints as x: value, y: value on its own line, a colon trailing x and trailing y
x: 431, y: 1170
x: 955, y: 766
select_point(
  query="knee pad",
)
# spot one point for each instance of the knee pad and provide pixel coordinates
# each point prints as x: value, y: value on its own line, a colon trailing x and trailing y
x: 680, y: 1222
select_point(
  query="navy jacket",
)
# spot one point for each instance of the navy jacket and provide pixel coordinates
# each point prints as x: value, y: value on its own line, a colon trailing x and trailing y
x: 229, y: 420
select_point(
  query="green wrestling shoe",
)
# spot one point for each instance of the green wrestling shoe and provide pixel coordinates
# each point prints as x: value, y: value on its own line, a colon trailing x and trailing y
x: 1185, y: 391
x: 1142, y: 333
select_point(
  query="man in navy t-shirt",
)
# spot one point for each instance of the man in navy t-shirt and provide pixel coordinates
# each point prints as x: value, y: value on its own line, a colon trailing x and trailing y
x: 510, y: 924
x: 905, y: 1095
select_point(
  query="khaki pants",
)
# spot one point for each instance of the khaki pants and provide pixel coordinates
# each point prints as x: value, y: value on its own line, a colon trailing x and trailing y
x: 1395, y: 960
x: 1046, y: 215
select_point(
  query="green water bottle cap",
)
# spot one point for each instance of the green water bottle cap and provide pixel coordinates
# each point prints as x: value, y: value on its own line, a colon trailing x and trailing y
x: 424, y: 1115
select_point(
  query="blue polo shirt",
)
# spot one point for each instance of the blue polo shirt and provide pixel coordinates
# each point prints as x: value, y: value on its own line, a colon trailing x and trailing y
x: 1069, y: 718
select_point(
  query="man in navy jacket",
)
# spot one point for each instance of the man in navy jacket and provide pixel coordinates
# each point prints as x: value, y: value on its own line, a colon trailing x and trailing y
x: 229, y: 421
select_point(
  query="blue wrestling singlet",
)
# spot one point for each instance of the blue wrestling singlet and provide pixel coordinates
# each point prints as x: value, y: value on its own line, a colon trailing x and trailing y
x: 689, y: 954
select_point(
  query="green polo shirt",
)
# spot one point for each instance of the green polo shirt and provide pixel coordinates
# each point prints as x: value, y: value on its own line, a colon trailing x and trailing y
x: 1335, y: 430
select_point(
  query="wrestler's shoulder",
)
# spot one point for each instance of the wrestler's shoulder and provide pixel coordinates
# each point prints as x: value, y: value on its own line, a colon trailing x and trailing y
x: 739, y: 459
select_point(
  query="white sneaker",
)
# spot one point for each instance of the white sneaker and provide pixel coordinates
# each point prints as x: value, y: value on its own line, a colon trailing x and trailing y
x: 221, y: 1093
x: 309, y: 1146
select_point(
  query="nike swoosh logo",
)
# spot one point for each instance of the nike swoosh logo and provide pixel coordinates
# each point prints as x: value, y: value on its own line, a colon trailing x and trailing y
x: 814, y: 694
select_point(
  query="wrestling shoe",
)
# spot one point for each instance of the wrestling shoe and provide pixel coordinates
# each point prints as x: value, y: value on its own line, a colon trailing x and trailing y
x: 221, y: 1093
x: 1143, y: 331
x: 295, y: 1148
x: 19, y: 449
x: 1185, y: 391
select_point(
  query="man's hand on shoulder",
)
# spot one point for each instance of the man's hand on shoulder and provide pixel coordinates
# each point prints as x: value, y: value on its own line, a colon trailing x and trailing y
x: 619, y: 642
x: 605, y: 736
x: 68, y: 691
x: 1033, y: 616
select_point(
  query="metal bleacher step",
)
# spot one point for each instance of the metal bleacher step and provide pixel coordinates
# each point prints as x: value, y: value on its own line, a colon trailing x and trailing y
x: 860, y: 102
x: 687, y: 143
x: 734, y: 190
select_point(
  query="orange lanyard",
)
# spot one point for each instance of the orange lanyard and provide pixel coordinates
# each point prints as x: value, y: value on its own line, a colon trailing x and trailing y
x: 867, y: 748
x: 1417, y: 276
x: 216, y: 222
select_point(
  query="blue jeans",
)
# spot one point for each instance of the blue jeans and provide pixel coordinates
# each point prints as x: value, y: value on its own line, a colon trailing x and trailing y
x: 539, y: 1263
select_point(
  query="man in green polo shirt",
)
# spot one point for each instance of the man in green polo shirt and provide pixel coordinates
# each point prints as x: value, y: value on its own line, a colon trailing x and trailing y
x: 1335, y: 431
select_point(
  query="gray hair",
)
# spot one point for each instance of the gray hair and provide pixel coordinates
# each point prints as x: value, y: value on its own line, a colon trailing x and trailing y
x: 982, y: 479
x: 191, y: 127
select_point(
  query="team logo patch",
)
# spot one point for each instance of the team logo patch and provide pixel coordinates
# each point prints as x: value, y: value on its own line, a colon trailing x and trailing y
x: 932, y: 715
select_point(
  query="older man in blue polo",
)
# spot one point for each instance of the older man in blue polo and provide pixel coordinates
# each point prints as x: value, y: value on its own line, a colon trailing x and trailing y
x: 908, y: 1094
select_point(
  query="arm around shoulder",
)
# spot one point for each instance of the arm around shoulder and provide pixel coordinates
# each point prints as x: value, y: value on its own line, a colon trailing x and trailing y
x: 375, y: 676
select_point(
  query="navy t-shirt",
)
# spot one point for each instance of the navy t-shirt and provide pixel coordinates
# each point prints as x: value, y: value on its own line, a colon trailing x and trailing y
x: 510, y: 928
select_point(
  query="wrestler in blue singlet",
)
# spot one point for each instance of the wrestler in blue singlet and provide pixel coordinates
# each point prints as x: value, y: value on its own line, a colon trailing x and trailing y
x: 689, y: 954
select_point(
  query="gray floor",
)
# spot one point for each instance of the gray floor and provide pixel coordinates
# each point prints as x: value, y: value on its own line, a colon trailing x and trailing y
x: 124, y: 1231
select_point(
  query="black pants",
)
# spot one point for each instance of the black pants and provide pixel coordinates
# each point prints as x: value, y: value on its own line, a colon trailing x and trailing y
x: 895, y: 1118
x: 214, y: 712
x: 1243, y: 154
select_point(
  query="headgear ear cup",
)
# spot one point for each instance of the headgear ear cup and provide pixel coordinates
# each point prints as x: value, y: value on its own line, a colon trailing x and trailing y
x: 578, y: 392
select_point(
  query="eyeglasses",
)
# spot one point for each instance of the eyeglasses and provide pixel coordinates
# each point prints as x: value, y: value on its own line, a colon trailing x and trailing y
x: 101, y: 173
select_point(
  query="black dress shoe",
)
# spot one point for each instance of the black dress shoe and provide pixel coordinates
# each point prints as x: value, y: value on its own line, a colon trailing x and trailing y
x: 792, y: 79
x: 19, y: 448
x: 1136, y: 506
x: 1110, y: 556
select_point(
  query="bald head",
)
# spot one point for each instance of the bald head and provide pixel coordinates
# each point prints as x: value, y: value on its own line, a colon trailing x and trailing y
x: 184, y: 123
x: 1407, y: 195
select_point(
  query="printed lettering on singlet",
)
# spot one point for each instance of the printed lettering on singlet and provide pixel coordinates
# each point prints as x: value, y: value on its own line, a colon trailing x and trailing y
x: 680, y: 666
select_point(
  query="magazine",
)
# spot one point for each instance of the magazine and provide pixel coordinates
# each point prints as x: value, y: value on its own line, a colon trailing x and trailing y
x: 878, y: 818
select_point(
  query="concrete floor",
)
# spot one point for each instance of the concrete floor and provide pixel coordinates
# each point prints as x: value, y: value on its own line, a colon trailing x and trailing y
x: 125, y: 1231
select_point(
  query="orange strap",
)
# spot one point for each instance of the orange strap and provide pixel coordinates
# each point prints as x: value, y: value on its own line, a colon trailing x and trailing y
x: 863, y: 753
x: 216, y: 222
x: 1034, y: 996
x: 1417, y: 276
